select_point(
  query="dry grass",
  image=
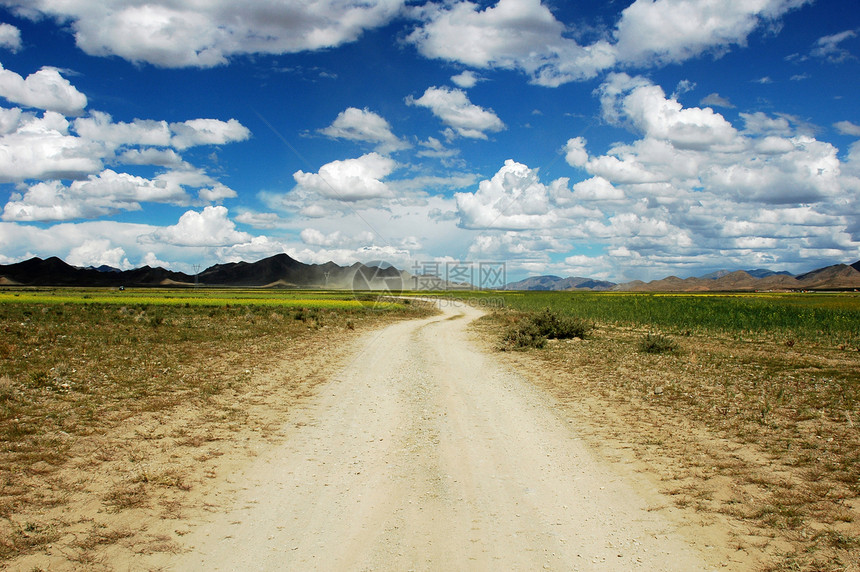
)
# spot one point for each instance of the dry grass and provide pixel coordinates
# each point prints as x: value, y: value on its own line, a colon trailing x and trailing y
x: 761, y: 434
x: 112, y: 416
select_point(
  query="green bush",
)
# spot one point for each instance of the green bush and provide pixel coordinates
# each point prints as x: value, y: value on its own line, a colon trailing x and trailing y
x: 533, y: 330
x: 657, y: 344
x: 553, y: 325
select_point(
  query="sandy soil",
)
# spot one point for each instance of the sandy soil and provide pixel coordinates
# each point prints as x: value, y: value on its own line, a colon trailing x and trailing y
x: 424, y: 453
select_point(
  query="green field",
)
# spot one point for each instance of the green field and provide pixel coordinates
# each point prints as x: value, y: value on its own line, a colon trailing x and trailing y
x: 826, y: 318
x: 319, y: 299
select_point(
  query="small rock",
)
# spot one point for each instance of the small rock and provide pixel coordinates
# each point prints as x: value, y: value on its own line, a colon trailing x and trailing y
x: 658, y: 391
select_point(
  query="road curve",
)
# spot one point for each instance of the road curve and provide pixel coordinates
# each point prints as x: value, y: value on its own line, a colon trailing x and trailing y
x: 425, y: 454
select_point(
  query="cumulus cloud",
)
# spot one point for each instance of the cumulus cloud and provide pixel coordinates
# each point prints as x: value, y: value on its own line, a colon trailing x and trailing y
x: 45, y: 89
x: 106, y: 193
x: 575, y: 153
x: 98, y: 252
x: 209, y: 228
x: 99, y: 126
x: 206, y: 34
x: 847, y: 128
x: 453, y: 108
x: 314, y: 237
x: 647, y: 108
x: 110, y: 192
x: 526, y: 36
x: 10, y: 37
x: 514, y: 34
x: 466, y: 79
x: 50, y: 148
x: 259, y: 220
x: 665, y: 31
x: 513, y: 199
x: 364, y: 125
x: 207, y: 132
x: 694, y: 190
x: 149, y: 156
x: 35, y: 147
x: 351, y: 179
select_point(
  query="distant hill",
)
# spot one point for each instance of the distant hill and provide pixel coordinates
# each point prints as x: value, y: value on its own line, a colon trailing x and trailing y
x: 273, y: 272
x: 757, y: 273
x: 557, y: 283
x: 836, y: 277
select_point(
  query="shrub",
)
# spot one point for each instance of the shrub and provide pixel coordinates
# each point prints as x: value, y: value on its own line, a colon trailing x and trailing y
x: 523, y: 335
x: 551, y: 325
x: 657, y: 344
x: 534, y: 330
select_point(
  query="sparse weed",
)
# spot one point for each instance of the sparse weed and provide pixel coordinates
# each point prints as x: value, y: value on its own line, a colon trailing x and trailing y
x: 75, y: 364
x: 783, y: 392
x: 657, y: 344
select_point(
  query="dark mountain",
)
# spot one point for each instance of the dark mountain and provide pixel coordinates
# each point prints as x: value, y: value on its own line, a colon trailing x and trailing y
x: 55, y: 272
x: 276, y: 271
x: 550, y: 282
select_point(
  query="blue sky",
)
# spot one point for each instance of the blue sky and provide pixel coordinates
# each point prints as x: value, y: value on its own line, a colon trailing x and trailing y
x: 611, y: 139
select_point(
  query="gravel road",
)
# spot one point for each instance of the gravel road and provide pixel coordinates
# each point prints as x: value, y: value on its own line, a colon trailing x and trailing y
x: 425, y: 454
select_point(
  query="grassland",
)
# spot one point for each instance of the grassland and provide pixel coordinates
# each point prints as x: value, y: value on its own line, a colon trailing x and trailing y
x: 117, y: 404
x: 748, y: 409
x: 97, y: 384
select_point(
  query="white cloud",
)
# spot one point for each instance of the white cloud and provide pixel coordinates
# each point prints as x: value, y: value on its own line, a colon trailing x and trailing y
x: 575, y: 153
x: 314, y: 237
x: 466, y: 79
x: 513, y: 199
x: 455, y: 110
x: 351, y: 179
x: 149, y: 156
x: 107, y: 193
x: 665, y: 31
x: 99, y: 126
x: 695, y: 191
x: 207, y: 132
x: 41, y: 148
x: 597, y: 189
x: 211, y: 227
x: 759, y: 123
x: 435, y: 148
x: 259, y: 220
x: 208, y: 33
x: 847, y: 128
x: 10, y: 37
x: 646, y: 106
x: 364, y: 125
x: 110, y: 192
x: 515, y: 34
x: 45, y: 89
x: 828, y: 47
x: 716, y: 100
x: 98, y: 252
x: 524, y: 35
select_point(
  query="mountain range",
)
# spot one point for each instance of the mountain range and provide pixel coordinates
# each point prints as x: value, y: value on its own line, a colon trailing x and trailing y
x: 836, y: 277
x: 279, y: 271
x: 282, y: 271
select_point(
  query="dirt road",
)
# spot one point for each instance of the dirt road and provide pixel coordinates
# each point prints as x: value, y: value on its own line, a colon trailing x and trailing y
x: 425, y: 454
